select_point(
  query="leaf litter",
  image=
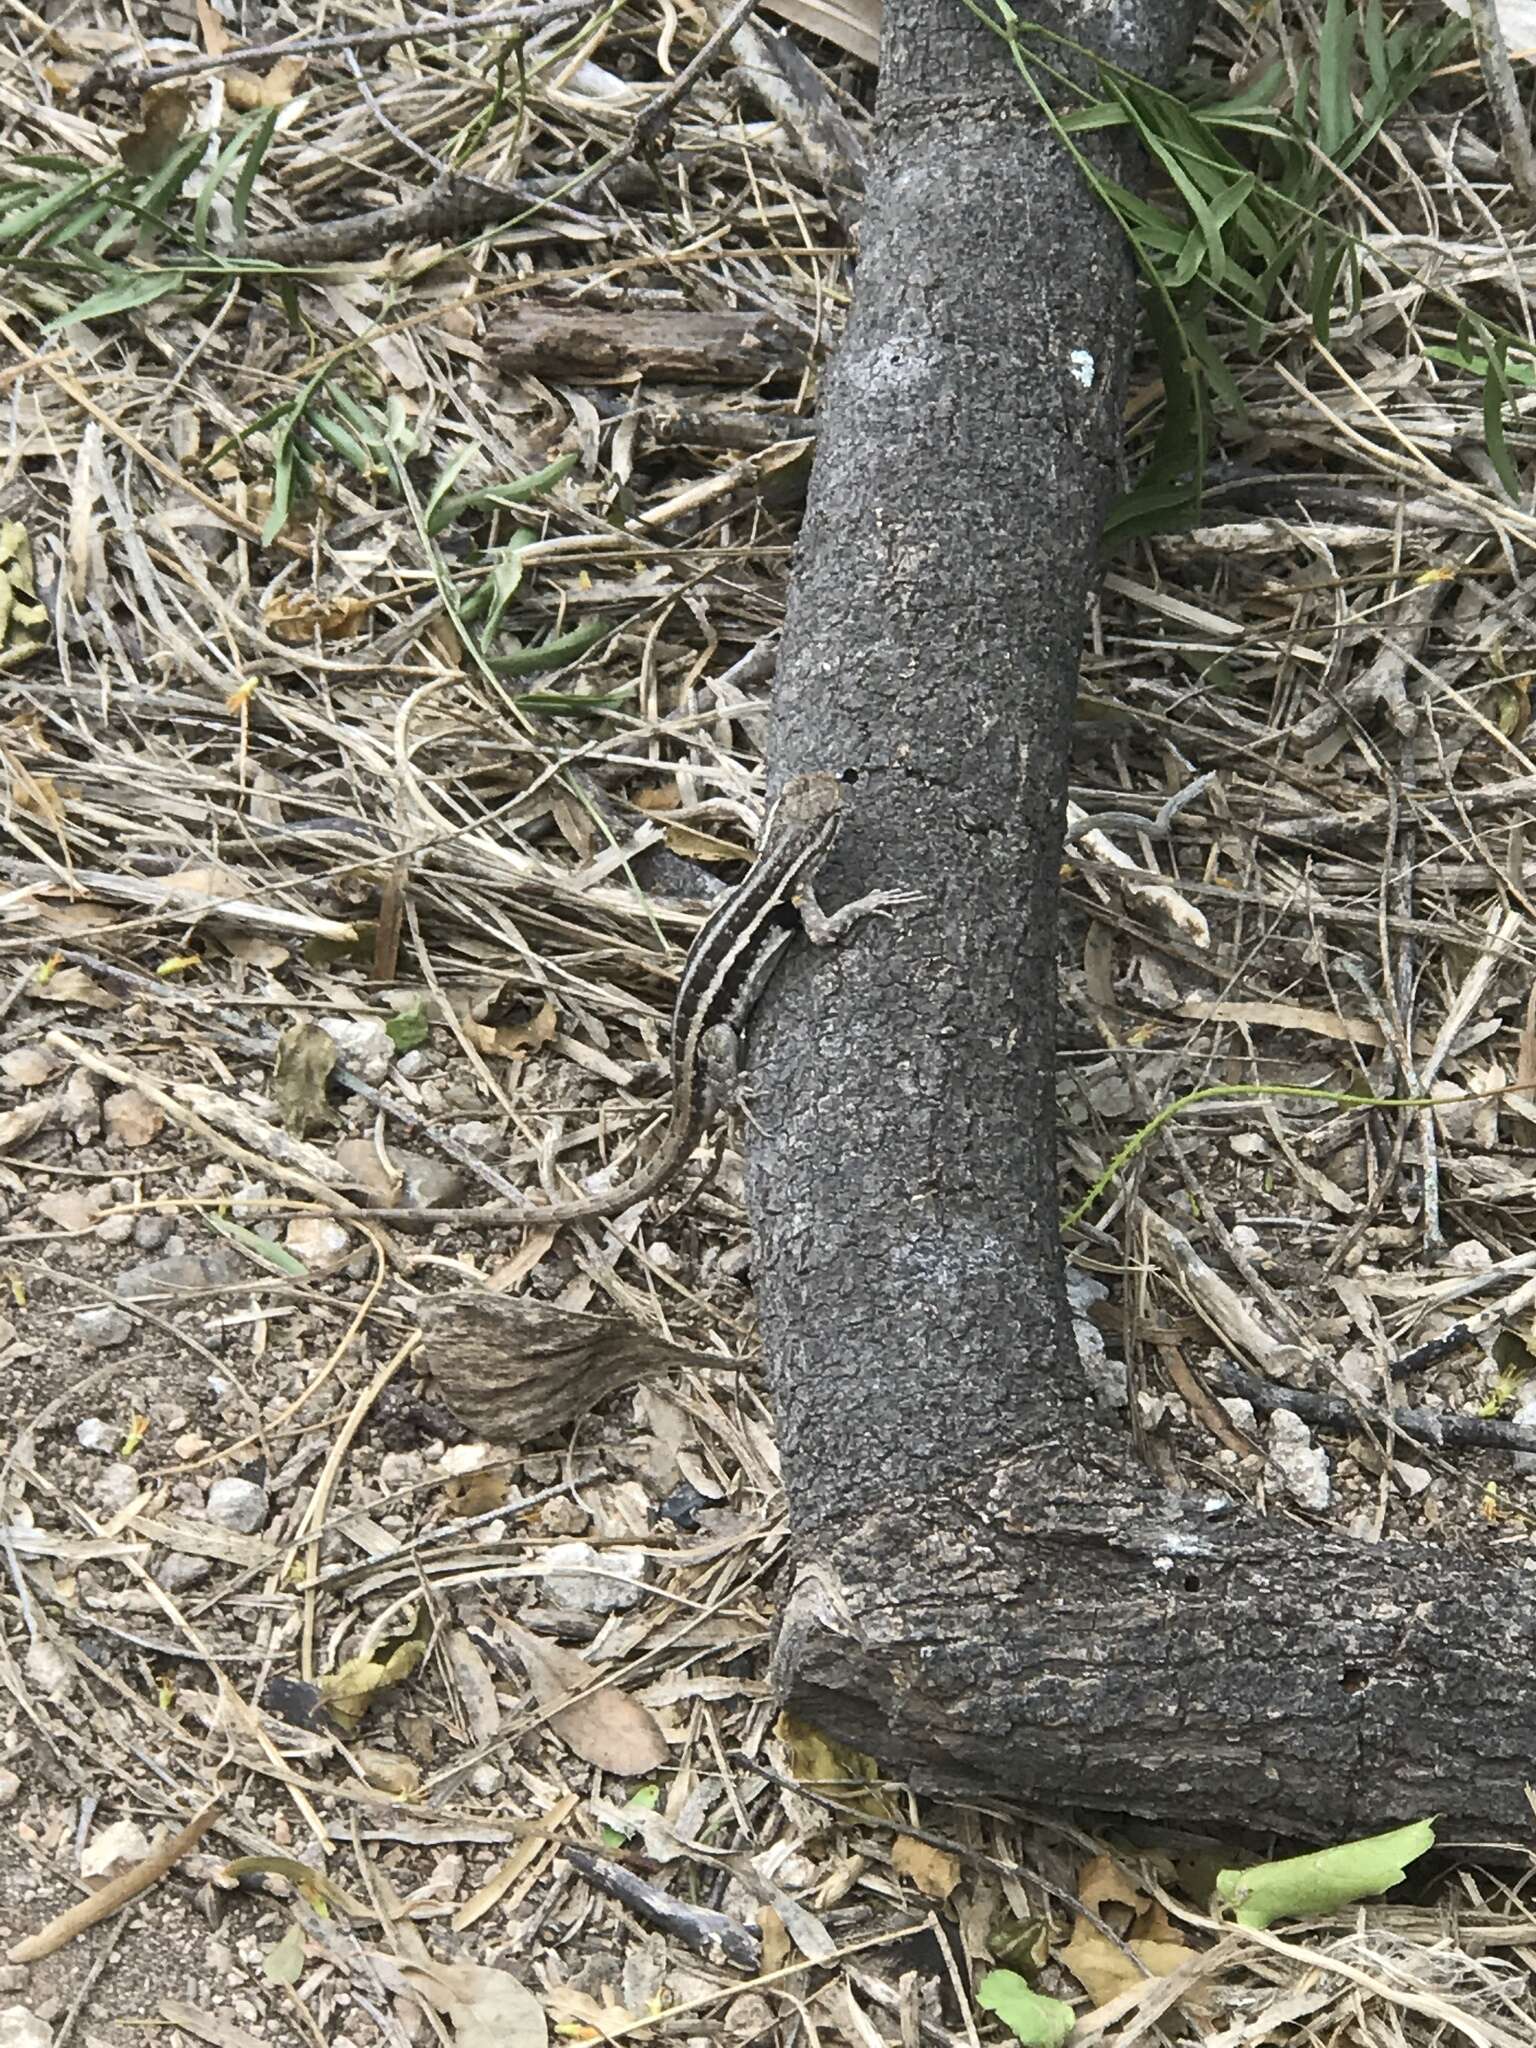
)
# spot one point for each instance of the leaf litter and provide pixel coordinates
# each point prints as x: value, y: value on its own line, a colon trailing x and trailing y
x: 366, y: 680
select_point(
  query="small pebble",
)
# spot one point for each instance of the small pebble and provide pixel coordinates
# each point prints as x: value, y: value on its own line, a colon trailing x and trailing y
x: 179, y: 1573
x: 21, y: 2028
x: 113, y: 1230
x: 316, y: 1239
x: 363, y: 1043
x: 1303, y: 1468
x: 10, y: 1786
x: 150, y: 1231
x: 116, y: 1488
x: 93, y: 1434
x: 593, y: 1581
x: 114, y: 1848
x: 237, y: 1504
x: 102, y: 1329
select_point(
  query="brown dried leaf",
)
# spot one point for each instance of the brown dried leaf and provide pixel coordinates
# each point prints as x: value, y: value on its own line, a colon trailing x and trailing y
x: 607, y: 1728
x: 73, y: 985
x: 935, y: 1872
x: 486, y: 2008
x: 305, y: 1057
x: 163, y: 114
x: 73, y: 1209
x: 131, y: 1119
x: 275, y: 88
x: 26, y: 1120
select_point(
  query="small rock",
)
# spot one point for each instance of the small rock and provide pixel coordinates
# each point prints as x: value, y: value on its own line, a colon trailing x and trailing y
x: 21, y: 2028
x: 103, y: 1329
x: 116, y: 1489
x: 593, y: 1581
x: 485, y: 1780
x: 401, y: 1470
x: 179, y: 1572
x: 237, y: 1504
x: 1413, y: 1477
x: 1241, y: 1412
x: 113, y: 1230
x: 363, y: 1043
x: 316, y: 1239
x: 412, y: 1063
x: 1302, y: 1467
x: 10, y: 1786
x: 48, y: 1669
x: 13, y: 1976
x: 114, y: 1848
x: 95, y: 1435
x: 150, y: 1231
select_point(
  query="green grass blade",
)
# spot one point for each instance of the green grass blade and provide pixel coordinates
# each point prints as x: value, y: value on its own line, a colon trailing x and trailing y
x: 132, y: 288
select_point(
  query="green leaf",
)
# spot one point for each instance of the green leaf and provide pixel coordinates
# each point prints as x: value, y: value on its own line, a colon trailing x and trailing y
x: 1039, y: 2022
x: 1495, y: 393
x: 441, y: 511
x: 133, y: 288
x: 1335, y: 47
x: 641, y: 1801
x: 527, y: 661
x: 263, y: 1248
x: 226, y: 157
x: 284, y: 1963
x: 408, y: 1028
x: 240, y: 199
x: 1325, y: 1880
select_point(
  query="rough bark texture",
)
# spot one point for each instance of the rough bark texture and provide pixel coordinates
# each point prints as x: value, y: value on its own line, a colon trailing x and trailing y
x: 987, y: 1578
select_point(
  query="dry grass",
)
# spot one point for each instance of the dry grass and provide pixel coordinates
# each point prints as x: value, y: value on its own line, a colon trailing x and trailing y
x: 255, y: 781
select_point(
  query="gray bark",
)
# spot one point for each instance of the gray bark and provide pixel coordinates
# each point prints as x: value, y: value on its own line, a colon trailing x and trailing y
x: 987, y: 1581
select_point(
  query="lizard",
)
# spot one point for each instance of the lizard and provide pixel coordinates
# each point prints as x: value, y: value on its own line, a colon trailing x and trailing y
x: 729, y: 964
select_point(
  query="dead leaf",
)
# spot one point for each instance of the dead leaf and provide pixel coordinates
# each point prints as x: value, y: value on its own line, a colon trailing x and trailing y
x: 216, y: 37
x: 305, y: 1057
x: 28, y: 1066
x: 296, y: 620
x: 486, y: 2008
x: 509, y: 1037
x: 348, y: 1692
x: 473, y: 1683
x: 39, y: 796
x: 72, y: 985
x: 607, y: 1728
x: 935, y: 1872
x: 131, y: 1119
x: 73, y: 1209
x: 163, y: 114
x: 386, y: 1772
x: 688, y: 843
x: 1103, y: 1970
x: 26, y: 1120
x: 815, y: 1759
x: 246, y: 90
x: 265, y: 953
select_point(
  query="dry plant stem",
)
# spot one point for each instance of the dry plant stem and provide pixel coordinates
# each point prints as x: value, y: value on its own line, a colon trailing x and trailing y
x: 118, y: 1893
x: 1509, y: 115
x: 131, y: 79
x: 458, y: 206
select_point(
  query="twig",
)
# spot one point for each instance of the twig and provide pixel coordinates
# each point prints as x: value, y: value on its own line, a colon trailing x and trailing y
x: 125, y: 76
x: 1332, y: 1412
x: 1509, y: 116
x: 458, y: 205
x: 121, y: 1891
